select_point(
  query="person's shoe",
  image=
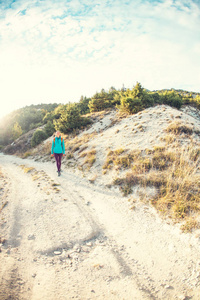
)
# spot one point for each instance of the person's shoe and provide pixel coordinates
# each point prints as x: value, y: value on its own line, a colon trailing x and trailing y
x: 58, y: 173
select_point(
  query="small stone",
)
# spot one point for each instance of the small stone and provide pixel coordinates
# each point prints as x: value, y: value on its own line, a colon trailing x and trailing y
x: 85, y: 249
x: 2, y: 241
x: 77, y: 248
x: 92, y: 291
x: 34, y: 275
x: 57, y: 252
x: 89, y: 244
x: 31, y: 237
x: 168, y: 287
x: 182, y: 297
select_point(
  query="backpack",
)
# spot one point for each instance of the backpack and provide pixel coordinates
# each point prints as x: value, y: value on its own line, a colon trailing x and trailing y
x: 55, y: 139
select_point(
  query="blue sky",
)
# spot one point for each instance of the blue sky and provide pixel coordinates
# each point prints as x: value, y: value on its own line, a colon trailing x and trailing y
x: 56, y: 51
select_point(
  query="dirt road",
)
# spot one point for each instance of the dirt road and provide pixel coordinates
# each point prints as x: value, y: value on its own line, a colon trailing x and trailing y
x: 66, y: 238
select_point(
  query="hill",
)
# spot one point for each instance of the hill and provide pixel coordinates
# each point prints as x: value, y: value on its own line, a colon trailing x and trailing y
x: 151, y: 156
x: 23, y: 120
x: 71, y: 116
x: 122, y: 220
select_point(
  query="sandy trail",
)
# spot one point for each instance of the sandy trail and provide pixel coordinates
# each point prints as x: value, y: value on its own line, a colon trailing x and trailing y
x: 69, y: 239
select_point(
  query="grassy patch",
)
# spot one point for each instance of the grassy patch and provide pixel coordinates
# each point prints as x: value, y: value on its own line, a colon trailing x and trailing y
x: 179, y: 195
x: 168, y: 139
x: 55, y: 184
x: 126, y: 184
x: 43, y: 149
x: 162, y: 159
x: 142, y: 165
x: 26, y: 154
x: 69, y: 155
x: 177, y: 127
x: 77, y: 144
x: 120, y: 158
x: 175, y: 175
x: 27, y: 169
x: 90, y: 158
x: 190, y: 224
x: 83, y: 148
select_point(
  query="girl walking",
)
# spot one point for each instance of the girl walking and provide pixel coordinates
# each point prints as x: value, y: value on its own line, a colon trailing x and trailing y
x: 58, y: 150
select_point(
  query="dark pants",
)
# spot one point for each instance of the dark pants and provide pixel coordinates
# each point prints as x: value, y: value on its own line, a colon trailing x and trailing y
x: 58, y: 157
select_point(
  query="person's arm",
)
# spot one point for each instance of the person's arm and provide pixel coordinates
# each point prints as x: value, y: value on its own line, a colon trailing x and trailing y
x: 63, y: 146
x: 52, y: 148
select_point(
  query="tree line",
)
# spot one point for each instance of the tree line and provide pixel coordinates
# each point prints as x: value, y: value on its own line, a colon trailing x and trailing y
x: 70, y: 116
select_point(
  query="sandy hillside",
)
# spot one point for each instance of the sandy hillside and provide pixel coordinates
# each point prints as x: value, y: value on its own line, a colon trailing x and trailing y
x: 77, y: 237
x: 141, y: 131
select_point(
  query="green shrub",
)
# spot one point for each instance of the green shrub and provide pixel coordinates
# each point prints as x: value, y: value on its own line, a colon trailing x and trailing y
x: 38, y: 136
x: 70, y: 119
x: 98, y: 104
x: 101, y: 101
x: 156, y: 98
x: 132, y: 101
x: 130, y: 105
x: 49, y: 128
x: 172, y: 98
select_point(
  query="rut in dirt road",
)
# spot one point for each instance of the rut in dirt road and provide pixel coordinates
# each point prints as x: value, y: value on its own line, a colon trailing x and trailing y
x: 67, y: 238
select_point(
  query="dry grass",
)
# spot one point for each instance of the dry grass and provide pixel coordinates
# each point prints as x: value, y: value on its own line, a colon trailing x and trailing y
x: 83, y: 148
x: 27, y: 154
x: 180, y: 196
x: 178, y: 127
x: 142, y: 165
x: 27, y: 169
x: 120, y: 159
x: 126, y: 184
x: 162, y: 158
x: 73, y: 144
x: 90, y: 158
x: 43, y: 149
x: 168, y: 139
x: 175, y: 175
x: 190, y: 224
x: 77, y: 144
x: 46, y: 148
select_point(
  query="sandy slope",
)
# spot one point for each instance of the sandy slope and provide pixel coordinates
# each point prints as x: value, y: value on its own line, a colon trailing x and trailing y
x: 78, y: 240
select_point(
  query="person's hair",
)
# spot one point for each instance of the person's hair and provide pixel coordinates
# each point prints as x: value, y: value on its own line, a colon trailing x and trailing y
x: 58, y: 132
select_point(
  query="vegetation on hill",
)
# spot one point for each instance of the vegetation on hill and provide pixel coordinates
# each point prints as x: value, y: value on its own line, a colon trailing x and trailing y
x: 68, y: 117
x: 23, y: 120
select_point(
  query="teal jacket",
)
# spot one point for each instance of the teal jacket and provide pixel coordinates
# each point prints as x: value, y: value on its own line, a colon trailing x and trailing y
x: 58, y: 146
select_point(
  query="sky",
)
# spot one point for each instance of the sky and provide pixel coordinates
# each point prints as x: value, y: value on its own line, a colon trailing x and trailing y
x: 58, y: 50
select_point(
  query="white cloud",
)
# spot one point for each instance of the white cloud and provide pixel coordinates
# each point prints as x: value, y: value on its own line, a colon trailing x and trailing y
x: 65, y: 48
